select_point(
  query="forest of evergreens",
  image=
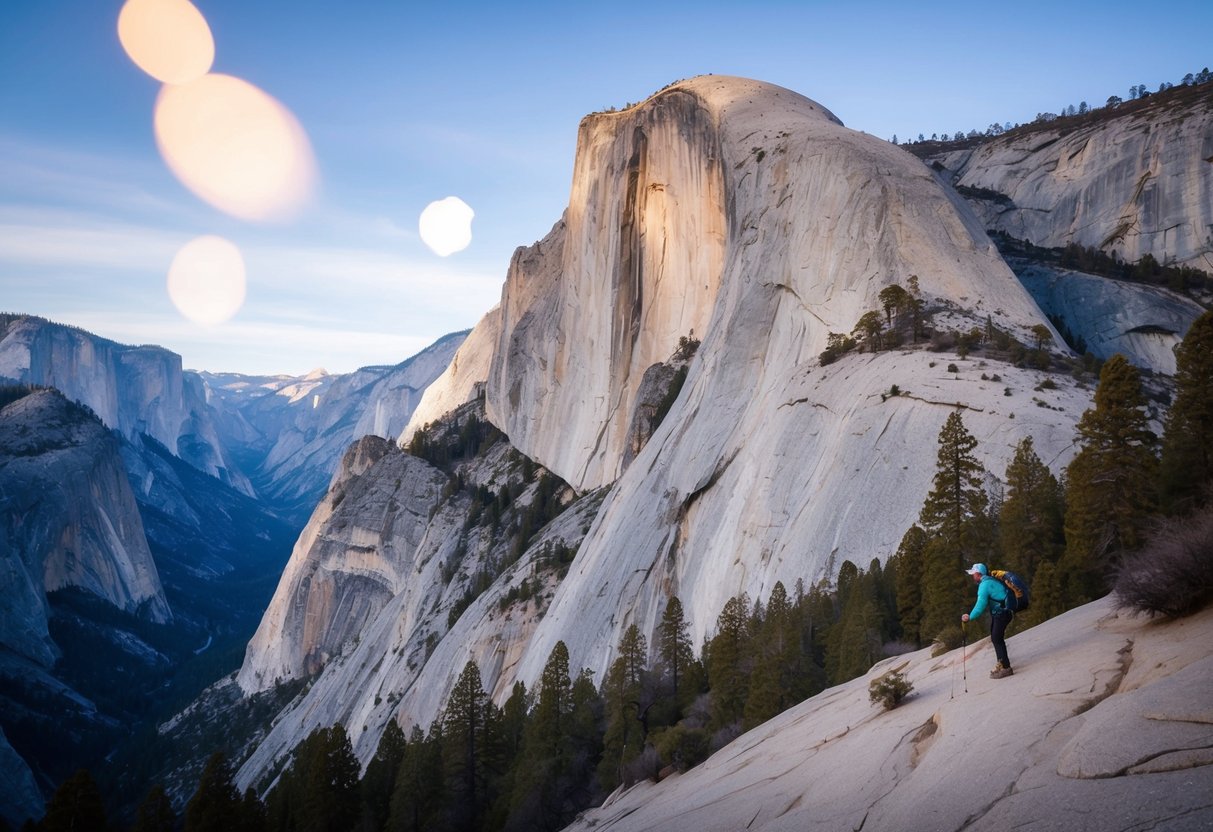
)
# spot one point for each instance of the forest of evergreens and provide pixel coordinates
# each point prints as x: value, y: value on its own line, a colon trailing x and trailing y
x: 547, y: 753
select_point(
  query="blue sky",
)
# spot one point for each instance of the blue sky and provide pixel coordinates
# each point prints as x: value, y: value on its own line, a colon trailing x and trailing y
x: 407, y: 103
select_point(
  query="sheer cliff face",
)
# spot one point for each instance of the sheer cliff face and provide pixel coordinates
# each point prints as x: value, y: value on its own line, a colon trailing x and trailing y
x: 132, y: 389
x: 635, y: 263
x: 69, y: 519
x: 717, y: 182
x: 1135, y: 185
x: 768, y: 467
x: 748, y: 214
x: 357, y: 553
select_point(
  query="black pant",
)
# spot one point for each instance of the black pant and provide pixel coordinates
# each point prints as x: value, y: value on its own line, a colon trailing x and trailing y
x: 998, y: 627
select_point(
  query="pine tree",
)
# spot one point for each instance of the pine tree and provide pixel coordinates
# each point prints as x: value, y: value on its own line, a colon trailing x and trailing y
x: 777, y: 667
x: 1030, y: 522
x: 329, y: 773
x: 76, y: 805
x: 155, y: 813
x: 911, y: 564
x: 253, y: 814
x: 854, y: 643
x: 380, y: 779
x: 1109, y: 483
x: 954, y: 516
x: 727, y: 674
x: 1047, y: 599
x: 625, y: 708
x: 1187, y: 448
x: 541, y: 776
x: 417, y: 797
x: 674, y: 644
x: 467, y: 743
x: 215, y: 806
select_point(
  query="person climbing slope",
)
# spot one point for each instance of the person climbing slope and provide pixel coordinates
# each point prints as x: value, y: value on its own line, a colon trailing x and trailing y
x: 991, y: 592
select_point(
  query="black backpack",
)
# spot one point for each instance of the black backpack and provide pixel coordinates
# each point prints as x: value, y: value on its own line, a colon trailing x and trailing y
x: 1018, y: 595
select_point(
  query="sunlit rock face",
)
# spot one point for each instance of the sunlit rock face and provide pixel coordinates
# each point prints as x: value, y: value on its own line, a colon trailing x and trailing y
x: 69, y: 519
x: 748, y: 214
x: 1135, y: 185
x: 132, y: 389
x: 462, y: 380
x: 768, y: 466
x: 727, y: 207
x: 383, y: 595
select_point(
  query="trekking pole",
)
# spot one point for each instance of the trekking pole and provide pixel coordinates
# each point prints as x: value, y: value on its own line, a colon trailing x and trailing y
x: 964, y: 649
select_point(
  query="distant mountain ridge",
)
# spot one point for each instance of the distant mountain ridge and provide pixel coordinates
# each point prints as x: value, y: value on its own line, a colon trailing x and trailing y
x: 131, y: 535
x: 293, y: 431
x: 134, y: 390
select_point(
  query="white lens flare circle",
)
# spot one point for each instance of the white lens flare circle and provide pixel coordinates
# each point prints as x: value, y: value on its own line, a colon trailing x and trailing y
x: 206, y: 280
x: 446, y: 226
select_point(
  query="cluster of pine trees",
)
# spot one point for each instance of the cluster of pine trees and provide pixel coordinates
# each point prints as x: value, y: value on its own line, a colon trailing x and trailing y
x: 548, y: 753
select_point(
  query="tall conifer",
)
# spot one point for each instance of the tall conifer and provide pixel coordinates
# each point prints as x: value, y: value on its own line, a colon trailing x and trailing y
x: 1187, y: 448
x: 214, y: 807
x: 1030, y: 523
x: 954, y: 517
x: 625, y: 708
x: 727, y: 674
x: 75, y: 805
x: 467, y: 744
x: 1109, y: 483
x: 380, y: 779
x: 674, y: 644
x: 911, y: 563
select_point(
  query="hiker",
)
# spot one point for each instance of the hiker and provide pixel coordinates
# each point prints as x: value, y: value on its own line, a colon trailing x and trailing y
x: 991, y: 591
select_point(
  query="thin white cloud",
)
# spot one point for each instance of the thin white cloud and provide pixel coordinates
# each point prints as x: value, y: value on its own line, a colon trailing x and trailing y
x: 34, y: 237
x: 38, y: 173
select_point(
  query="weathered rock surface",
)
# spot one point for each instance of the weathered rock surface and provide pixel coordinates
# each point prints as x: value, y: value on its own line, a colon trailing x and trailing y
x: 425, y: 604
x: 1136, y: 184
x: 132, y: 390
x: 69, y: 519
x: 463, y: 379
x: 20, y: 796
x: 746, y: 214
x: 1079, y: 738
x: 357, y: 553
x: 736, y: 209
x: 1144, y: 323
x: 768, y: 466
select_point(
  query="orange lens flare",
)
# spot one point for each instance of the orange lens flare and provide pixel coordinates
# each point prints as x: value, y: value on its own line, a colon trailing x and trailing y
x: 235, y: 147
x: 168, y: 39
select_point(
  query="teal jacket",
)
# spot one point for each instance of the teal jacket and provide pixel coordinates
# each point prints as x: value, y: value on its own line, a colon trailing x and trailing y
x: 990, y: 591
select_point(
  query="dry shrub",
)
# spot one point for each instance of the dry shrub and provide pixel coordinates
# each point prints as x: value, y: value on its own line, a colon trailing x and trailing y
x: 1172, y: 575
x: 889, y: 689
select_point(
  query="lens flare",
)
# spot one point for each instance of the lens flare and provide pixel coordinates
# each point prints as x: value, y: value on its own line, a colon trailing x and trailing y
x: 236, y: 147
x: 167, y: 39
x: 206, y: 280
x: 446, y: 225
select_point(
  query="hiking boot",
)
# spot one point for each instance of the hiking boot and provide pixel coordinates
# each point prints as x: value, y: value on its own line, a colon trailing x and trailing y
x: 1001, y: 673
